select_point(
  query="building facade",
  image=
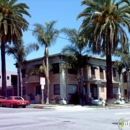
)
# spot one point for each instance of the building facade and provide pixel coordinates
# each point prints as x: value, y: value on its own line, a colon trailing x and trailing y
x: 11, y: 83
x: 64, y: 82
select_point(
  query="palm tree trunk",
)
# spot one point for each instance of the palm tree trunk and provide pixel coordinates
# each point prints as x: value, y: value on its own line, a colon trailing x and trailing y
x: 81, y: 87
x: 3, y: 68
x: 109, y: 84
x: 47, y: 75
x: 47, y: 99
x: 121, y: 81
x: 18, y: 82
x: 21, y: 83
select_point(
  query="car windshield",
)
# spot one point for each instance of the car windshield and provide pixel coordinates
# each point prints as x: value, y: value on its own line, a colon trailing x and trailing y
x: 18, y: 98
x: 9, y: 98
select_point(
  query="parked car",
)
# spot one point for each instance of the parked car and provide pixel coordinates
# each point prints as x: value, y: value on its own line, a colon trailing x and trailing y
x: 13, y: 101
x: 96, y: 102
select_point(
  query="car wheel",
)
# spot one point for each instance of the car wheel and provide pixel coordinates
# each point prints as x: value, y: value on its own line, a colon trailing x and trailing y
x: 24, y: 106
x: 1, y: 105
x: 11, y: 105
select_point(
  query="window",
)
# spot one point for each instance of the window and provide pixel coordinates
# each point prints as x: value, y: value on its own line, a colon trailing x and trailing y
x: 102, y: 68
x: 38, y: 90
x: 9, y: 98
x: 72, y: 71
x: 55, y: 68
x: 7, y: 77
x: 18, y: 98
x: 114, y: 72
x: 0, y: 77
x: 93, y: 67
x: 23, y: 73
x: 102, y: 88
x: 115, y: 90
x: 92, y: 71
x: 56, y: 89
x: 24, y: 90
x: 72, y: 89
x: 125, y: 77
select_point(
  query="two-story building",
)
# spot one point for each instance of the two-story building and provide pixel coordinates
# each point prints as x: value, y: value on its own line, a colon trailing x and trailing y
x: 64, y: 83
x: 11, y: 83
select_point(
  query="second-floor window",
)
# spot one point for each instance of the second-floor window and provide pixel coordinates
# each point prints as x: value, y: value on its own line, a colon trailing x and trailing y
x: 93, y: 67
x: 92, y: 71
x: 102, y: 68
x: 55, y: 68
x: 7, y: 77
x: 23, y: 73
x: 72, y: 71
x: 114, y: 72
x: 125, y: 77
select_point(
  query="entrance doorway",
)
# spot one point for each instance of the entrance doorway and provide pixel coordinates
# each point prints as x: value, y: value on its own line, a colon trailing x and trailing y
x: 93, y: 90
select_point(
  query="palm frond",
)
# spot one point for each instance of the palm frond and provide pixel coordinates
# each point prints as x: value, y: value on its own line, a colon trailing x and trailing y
x: 46, y: 35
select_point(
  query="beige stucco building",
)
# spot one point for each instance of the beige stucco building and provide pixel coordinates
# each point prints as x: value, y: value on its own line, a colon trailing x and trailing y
x: 64, y: 83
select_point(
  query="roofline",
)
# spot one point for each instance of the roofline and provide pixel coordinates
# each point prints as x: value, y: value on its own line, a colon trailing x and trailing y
x: 40, y: 58
x: 96, y: 57
x: 53, y: 55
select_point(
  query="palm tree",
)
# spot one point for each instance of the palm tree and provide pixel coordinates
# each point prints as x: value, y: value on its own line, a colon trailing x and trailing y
x: 124, y: 63
x: 120, y: 69
x: 103, y: 27
x: 46, y: 35
x: 75, y: 56
x: 12, y: 24
x: 20, y: 52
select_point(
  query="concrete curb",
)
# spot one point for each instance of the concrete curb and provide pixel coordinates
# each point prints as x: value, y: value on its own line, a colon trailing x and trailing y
x: 122, y: 107
x: 74, y: 107
x: 38, y: 107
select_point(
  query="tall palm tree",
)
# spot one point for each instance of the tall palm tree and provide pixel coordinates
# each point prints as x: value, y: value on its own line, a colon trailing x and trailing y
x: 124, y: 63
x: 46, y: 35
x: 76, y: 56
x: 20, y: 52
x: 12, y: 23
x: 104, y: 26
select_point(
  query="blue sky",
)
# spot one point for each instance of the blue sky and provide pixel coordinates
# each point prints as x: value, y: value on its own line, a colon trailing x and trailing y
x: 63, y: 11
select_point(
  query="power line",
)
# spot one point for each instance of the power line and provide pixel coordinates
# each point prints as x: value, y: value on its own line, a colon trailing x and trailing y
x: 33, y: 30
x: 30, y: 29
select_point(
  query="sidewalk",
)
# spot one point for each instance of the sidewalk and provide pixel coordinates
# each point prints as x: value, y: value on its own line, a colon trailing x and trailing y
x: 77, y: 107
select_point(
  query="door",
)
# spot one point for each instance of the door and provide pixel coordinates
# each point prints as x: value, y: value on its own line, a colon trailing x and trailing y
x: 94, y: 91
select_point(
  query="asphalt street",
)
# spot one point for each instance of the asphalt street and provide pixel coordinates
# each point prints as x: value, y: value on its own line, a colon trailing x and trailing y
x: 61, y: 119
